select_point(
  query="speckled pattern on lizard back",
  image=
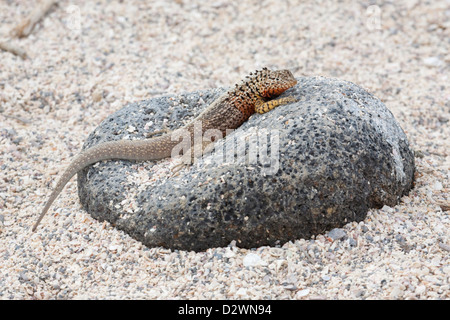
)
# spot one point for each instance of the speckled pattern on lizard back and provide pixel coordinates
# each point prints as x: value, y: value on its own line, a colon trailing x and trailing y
x: 229, y: 111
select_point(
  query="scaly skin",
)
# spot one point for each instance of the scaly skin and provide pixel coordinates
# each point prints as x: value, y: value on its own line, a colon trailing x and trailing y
x: 229, y: 111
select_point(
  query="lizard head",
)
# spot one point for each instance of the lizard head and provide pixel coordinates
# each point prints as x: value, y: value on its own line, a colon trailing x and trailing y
x: 272, y: 83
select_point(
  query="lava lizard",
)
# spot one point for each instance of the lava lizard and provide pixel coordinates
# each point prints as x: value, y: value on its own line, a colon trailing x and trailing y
x: 229, y: 111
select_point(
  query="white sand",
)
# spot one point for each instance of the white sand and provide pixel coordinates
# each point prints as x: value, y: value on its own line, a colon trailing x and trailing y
x: 90, y: 59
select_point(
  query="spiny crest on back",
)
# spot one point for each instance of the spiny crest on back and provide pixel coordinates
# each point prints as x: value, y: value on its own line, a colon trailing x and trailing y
x: 249, y: 82
x: 259, y: 74
x: 265, y: 83
x: 260, y: 84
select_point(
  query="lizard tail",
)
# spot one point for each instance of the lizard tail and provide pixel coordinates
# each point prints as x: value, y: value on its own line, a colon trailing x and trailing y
x: 122, y: 149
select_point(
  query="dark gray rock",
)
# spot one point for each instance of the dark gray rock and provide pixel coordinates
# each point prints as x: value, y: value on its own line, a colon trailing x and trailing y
x: 340, y: 153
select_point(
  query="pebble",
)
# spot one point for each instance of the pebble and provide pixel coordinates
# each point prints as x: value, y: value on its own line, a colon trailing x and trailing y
x: 337, y: 234
x: 253, y: 260
x: 241, y: 292
x: 433, y: 62
x: 444, y: 246
x: 396, y: 293
x: 302, y: 293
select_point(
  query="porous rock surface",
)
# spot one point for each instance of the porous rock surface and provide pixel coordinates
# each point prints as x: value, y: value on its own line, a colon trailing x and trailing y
x: 331, y: 156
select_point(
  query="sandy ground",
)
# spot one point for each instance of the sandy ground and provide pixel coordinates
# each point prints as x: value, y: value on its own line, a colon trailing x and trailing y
x: 88, y: 59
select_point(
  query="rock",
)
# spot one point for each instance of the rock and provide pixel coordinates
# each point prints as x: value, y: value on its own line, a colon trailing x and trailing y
x: 331, y: 156
x: 437, y: 186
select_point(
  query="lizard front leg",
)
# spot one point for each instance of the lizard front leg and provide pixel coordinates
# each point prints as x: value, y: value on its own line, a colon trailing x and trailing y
x: 262, y: 106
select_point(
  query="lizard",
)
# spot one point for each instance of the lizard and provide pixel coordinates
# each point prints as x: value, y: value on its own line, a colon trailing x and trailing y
x: 256, y: 93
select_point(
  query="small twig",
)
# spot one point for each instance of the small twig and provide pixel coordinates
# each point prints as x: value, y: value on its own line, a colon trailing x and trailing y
x: 27, y: 25
x: 445, y: 205
x: 8, y: 46
x: 24, y: 121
